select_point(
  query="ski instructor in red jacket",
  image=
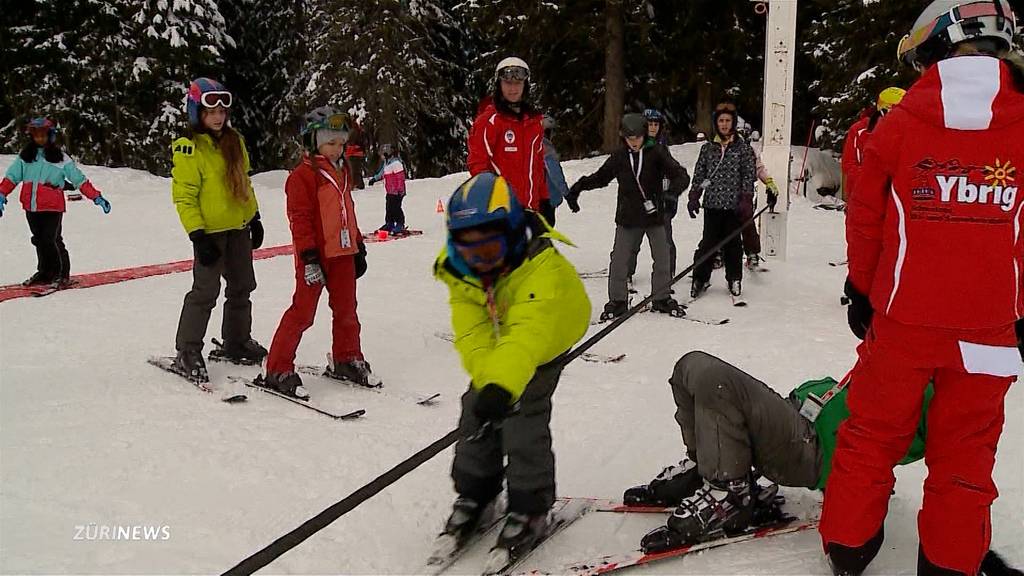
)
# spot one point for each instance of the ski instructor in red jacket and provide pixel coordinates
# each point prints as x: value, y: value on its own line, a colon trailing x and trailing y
x: 507, y: 139
x: 936, y: 253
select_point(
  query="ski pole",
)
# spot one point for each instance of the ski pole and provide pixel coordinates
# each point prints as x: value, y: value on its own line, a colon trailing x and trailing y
x: 298, y: 535
x: 579, y: 350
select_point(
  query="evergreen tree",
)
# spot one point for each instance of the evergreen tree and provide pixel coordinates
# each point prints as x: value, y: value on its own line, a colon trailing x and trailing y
x: 854, y: 46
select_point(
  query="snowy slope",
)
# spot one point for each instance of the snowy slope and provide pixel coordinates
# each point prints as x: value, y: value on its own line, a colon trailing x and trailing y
x: 92, y: 435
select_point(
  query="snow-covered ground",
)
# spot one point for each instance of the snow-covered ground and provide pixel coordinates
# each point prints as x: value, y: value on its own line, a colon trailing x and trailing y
x: 92, y: 436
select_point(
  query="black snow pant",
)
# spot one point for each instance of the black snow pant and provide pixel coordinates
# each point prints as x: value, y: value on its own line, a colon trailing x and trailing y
x: 717, y: 225
x: 235, y: 265
x: 732, y: 423
x: 52, y: 260
x: 524, y: 438
x: 547, y: 210
x: 394, y: 217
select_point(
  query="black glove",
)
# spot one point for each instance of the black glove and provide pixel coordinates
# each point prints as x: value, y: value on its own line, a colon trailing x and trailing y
x: 693, y: 207
x: 671, y: 206
x: 572, y: 199
x: 859, y: 311
x: 256, y: 231
x: 493, y: 404
x: 205, y: 247
x: 361, y: 260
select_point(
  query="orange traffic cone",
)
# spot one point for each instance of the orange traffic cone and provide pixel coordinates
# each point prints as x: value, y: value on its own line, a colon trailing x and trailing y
x: 440, y: 206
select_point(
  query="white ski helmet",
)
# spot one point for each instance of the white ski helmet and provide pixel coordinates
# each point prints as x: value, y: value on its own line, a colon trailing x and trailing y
x: 946, y: 23
x: 512, y: 62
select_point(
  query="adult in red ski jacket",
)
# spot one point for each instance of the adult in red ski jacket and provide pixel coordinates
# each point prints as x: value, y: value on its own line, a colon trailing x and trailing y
x: 936, y: 256
x: 853, y: 152
x: 857, y: 137
x: 507, y: 138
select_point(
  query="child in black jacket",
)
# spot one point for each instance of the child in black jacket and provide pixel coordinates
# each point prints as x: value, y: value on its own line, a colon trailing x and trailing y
x: 642, y: 208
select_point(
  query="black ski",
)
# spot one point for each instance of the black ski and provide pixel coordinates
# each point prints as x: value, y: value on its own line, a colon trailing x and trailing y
x: 166, y: 363
x: 253, y: 383
x: 217, y: 355
x: 428, y: 400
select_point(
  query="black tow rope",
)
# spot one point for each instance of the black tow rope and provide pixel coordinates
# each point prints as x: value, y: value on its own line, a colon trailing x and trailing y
x: 292, y: 539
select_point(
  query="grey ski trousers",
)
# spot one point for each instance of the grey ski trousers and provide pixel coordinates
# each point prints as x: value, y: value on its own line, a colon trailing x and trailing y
x: 235, y: 265
x: 671, y: 251
x: 624, y: 250
x: 524, y: 438
x: 732, y: 422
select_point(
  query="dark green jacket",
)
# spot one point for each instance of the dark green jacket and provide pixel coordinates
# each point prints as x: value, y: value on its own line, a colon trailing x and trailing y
x: 835, y: 411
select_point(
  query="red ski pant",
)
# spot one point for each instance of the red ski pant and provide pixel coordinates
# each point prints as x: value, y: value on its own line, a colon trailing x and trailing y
x: 971, y: 371
x: 340, y: 276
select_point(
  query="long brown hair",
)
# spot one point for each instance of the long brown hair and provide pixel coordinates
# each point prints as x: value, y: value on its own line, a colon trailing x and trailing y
x: 230, y: 145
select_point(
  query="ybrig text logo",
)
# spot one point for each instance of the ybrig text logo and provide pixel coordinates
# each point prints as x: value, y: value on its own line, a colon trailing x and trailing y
x: 998, y: 189
x: 130, y: 532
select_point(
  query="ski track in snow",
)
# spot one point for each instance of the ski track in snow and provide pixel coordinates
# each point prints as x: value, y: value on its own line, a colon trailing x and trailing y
x: 93, y: 435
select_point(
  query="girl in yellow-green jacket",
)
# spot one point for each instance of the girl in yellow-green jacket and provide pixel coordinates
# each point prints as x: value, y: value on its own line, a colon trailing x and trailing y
x: 517, y: 307
x: 218, y: 209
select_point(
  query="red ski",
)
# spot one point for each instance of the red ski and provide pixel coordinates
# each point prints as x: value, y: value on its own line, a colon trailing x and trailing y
x: 613, y: 562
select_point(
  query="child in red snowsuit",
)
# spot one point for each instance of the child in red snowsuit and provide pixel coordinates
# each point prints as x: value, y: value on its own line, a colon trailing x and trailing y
x: 329, y: 252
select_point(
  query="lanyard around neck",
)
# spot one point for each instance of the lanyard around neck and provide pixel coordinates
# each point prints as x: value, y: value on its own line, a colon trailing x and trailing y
x: 636, y: 170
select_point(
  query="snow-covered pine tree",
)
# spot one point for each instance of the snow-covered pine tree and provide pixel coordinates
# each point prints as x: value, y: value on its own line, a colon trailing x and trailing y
x: 854, y: 46
x: 260, y: 69
x: 392, y: 65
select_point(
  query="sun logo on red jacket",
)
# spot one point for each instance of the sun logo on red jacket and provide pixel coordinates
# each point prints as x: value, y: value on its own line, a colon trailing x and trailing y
x: 1001, y: 174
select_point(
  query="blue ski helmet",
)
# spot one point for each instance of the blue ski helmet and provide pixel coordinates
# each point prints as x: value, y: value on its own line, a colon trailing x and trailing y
x: 652, y: 115
x: 485, y: 199
x: 205, y: 93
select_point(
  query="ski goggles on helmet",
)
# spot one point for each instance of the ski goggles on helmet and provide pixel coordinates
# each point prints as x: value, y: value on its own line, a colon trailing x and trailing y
x: 39, y: 124
x: 514, y: 74
x: 216, y: 98
x: 339, y: 121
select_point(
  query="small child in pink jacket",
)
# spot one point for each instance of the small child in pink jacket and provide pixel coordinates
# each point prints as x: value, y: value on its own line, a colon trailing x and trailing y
x: 392, y: 172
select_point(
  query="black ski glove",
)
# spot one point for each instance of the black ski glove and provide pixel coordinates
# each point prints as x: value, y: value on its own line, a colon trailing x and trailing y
x: 256, y: 231
x: 493, y: 404
x: 361, y: 260
x: 572, y: 199
x: 205, y: 247
x: 859, y: 312
x: 693, y: 207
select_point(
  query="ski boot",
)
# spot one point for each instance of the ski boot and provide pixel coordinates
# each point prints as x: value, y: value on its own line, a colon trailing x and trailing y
x: 354, y: 371
x: 736, y: 288
x: 466, y: 517
x: 190, y: 364
x: 518, y: 536
x: 287, y: 383
x: 613, y: 309
x: 668, y: 488
x: 399, y: 232
x: 669, y: 306
x: 853, y: 560
x: 248, y: 353
x: 698, y: 288
x: 713, y: 511
x: 38, y: 279
x: 753, y: 261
